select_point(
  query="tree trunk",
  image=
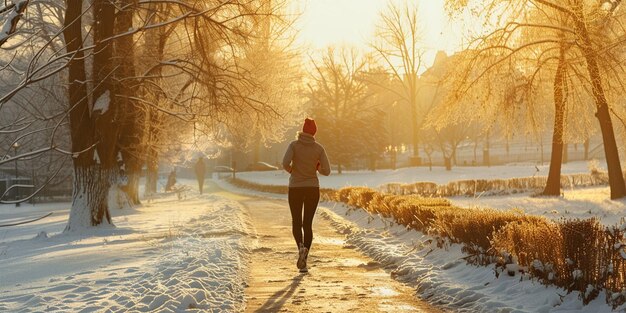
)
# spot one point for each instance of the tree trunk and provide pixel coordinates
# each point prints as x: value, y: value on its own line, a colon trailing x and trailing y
x: 414, y: 119
x: 130, y: 140
x: 475, y: 155
x: 105, y: 120
x: 586, y: 146
x: 415, y: 138
x: 256, y: 152
x: 486, y: 158
x: 430, y: 162
x: 553, y: 185
x: 90, y: 185
x: 132, y: 187
x: 447, y: 163
x: 616, y: 178
x: 155, y: 43
x: 453, y: 156
x: 90, y: 197
x: 152, y: 172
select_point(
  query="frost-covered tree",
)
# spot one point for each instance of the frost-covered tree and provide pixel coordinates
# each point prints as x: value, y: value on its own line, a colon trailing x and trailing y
x: 550, y: 32
x: 348, y: 118
x: 12, y: 12
x: 33, y: 135
x: 133, y: 72
x: 399, y: 47
x: 272, y: 63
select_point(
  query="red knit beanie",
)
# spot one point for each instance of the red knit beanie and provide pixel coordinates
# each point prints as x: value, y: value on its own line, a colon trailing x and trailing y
x: 309, y: 127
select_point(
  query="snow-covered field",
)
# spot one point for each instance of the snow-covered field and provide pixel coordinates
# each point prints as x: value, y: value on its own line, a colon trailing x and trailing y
x: 167, y: 256
x: 442, y: 276
x: 575, y: 203
x: 415, y: 174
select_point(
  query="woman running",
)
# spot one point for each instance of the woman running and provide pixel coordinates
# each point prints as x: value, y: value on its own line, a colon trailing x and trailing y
x: 303, y: 159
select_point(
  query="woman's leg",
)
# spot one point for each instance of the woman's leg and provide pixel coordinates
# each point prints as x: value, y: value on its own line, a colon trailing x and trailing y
x: 310, y: 205
x: 200, y: 184
x: 296, y: 199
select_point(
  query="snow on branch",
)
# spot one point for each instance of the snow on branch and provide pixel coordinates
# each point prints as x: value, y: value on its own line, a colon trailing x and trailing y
x: 10, y: 24
x: 102, y: 104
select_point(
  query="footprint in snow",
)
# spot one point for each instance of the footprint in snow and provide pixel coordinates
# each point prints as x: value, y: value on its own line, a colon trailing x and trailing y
x: 60, y: 288
x: 82, y: 289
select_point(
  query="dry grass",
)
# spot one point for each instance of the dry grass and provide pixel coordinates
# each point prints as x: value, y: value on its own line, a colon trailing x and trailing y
x: 576, y: 254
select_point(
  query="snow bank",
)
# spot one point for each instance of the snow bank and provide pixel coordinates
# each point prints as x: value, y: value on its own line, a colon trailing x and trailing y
x: 168, y: 256
x: 442, y: 276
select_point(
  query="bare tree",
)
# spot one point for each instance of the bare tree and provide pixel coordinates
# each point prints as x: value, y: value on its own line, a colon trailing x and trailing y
x: 399, y: 48
x: 341, y: 105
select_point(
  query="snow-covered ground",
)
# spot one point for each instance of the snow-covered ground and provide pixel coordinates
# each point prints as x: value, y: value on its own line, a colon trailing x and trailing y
x: 169, y: 255
x: 442, y: 276
x: 416, y: 174
x: 575, y: 203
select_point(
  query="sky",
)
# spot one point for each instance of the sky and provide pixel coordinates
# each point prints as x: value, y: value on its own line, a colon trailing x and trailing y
x: 352, y: 23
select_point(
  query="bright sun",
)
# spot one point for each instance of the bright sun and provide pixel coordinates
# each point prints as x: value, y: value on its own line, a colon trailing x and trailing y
x: 352, y: 22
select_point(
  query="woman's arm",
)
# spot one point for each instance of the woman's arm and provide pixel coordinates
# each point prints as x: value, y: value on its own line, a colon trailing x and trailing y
x: 324, y: 168
x: 287, y: 158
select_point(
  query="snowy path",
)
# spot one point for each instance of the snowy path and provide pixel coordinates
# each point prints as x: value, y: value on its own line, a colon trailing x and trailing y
x: 340, y: 279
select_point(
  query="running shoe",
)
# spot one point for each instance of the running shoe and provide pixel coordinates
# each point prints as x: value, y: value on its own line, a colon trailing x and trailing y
x: 301, y: 257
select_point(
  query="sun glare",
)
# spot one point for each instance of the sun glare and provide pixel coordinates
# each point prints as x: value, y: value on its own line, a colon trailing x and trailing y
x: 326, y: 23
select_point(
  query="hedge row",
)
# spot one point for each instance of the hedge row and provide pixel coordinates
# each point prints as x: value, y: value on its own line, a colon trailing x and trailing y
x: 474, y: 187
x: 578, y: 255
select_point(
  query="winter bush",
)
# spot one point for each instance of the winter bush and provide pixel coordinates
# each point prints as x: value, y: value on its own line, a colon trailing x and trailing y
x: 474, y: 187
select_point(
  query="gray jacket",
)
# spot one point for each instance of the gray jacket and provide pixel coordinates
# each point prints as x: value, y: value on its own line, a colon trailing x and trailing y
x: 301, y: 159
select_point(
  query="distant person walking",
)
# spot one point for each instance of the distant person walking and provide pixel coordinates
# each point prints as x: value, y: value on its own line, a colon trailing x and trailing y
x: 303, y: 159
x: 200, y: 170
x: 171, y: 180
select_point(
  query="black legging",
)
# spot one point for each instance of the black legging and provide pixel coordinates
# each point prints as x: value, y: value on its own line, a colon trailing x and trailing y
x: 201, y: 183
x: 309, y: 197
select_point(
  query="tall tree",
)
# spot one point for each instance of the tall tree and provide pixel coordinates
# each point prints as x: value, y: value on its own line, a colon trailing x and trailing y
x: 399, y: 48
x: 126, y: 88
x: 553, y: 184
x: 349, y: 123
